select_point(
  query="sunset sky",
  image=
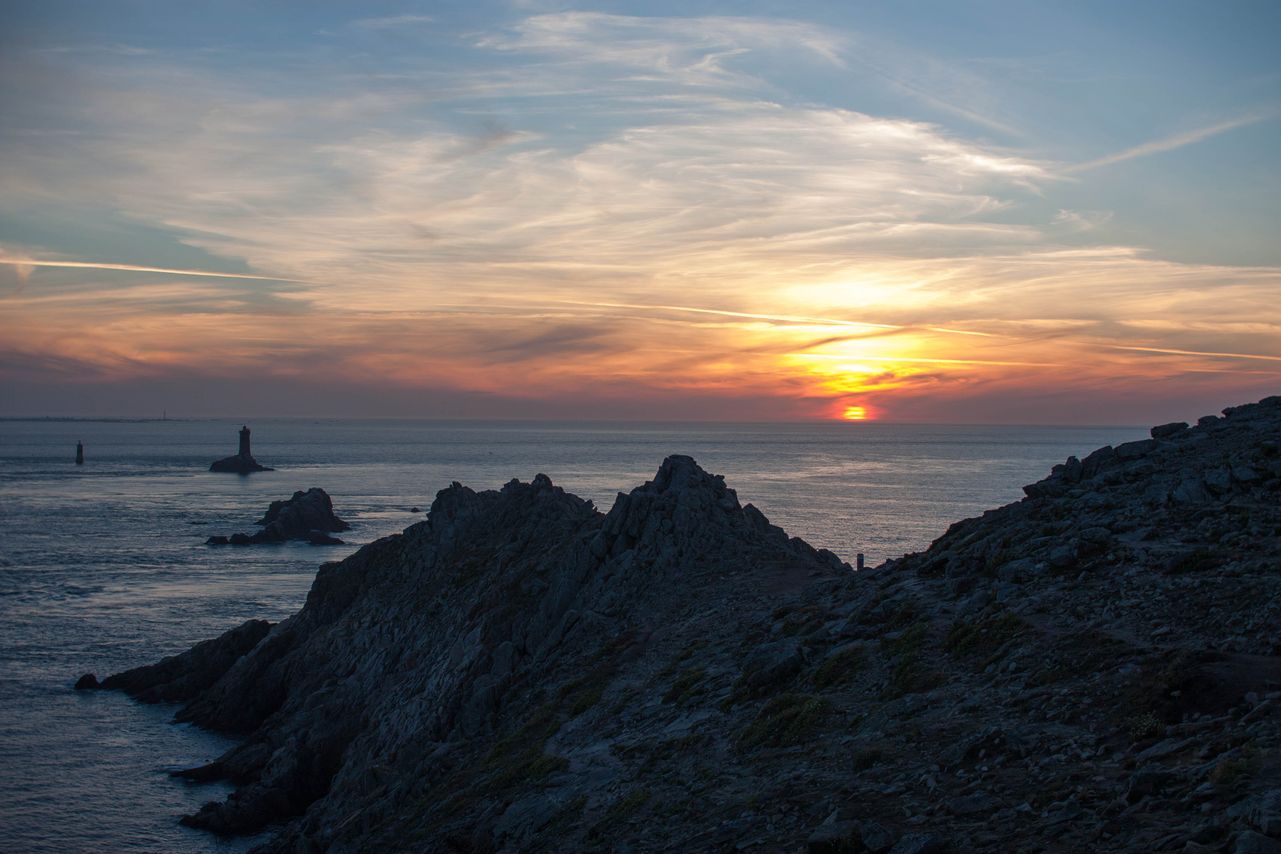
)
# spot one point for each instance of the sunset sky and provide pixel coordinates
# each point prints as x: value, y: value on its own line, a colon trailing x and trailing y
x: 1025, y: 212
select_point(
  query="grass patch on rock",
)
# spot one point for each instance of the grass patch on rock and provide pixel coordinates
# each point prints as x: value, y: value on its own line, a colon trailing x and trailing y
x: 908, y: 641
x: 620, y: 811
x: 910, y: 675
x: 909, y: 671
x: 786, y: 720
x: 585, y: 692
x: 1236, y: 769
x: 981, y: 641
x: 691, y: 649
x: 519, y: 757
x: 626, y: 806
x: 566, y: 817
x: 1144, y: 727
x: 801, y: 620
x: 1197, y: 560
x: 841, y: 665
x: 1075, y: 656
x: 869, y: 757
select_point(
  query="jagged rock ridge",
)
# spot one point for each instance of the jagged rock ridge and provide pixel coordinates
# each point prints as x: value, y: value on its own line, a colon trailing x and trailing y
x: 1094, y: 667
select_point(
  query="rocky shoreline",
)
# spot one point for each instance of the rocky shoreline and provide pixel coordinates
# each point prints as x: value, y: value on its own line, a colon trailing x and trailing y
x: 1095, y: 667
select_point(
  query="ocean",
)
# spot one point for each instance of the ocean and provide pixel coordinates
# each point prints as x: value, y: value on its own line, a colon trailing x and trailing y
x: 103, y: 566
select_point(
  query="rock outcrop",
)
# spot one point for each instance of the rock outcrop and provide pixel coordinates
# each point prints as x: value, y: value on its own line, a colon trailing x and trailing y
x: 182, y: 677
x: 1096, y: 667
x: 238, y: 464
x: 305, y: 516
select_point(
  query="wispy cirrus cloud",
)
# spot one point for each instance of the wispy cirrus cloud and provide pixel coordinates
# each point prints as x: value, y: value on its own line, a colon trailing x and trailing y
x: 27, y: 264
x: 664, y: 46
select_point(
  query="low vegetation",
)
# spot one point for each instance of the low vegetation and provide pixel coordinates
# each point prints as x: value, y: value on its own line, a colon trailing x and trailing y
x: 785, y: 720
x: 981, y: 641
x: 840, y: 666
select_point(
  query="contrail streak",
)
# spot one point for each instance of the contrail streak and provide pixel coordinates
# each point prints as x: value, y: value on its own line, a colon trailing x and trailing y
x: 835, y: 357
x: 1170, y: 143
x: 135, y: 268
x: 776, y: 318
x: 1173, y: 352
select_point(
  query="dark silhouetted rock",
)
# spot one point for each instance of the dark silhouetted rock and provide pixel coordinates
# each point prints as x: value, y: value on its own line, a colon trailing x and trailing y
x: 320, y: 538
x: 308, y: 511
x: 1165, y: 431
x: 181, y: 677
x: 306, y: 516
x: 237, y: 465
x: 88, y: 682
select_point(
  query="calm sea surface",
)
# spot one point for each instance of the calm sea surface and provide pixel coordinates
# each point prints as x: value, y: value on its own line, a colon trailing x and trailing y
x: 103, y: 567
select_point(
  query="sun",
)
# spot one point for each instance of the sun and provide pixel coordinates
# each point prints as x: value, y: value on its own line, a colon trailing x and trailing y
x: 855, y: 413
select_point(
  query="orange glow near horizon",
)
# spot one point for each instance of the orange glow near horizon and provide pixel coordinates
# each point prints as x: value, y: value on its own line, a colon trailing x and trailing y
x: 773, y: 362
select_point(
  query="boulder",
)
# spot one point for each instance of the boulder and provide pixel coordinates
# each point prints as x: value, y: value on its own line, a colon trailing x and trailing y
x: 1165, y: 431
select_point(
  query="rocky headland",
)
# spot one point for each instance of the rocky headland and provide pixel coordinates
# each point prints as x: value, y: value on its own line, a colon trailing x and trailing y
x: 305, y: 516
x: 1095, y: 667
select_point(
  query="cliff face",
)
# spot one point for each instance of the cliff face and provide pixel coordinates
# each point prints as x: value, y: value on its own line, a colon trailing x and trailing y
x: 1094, y: 667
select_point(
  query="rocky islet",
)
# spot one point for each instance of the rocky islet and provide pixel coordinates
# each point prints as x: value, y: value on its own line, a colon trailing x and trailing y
x: 1095, y: 667
x: 307, y: 516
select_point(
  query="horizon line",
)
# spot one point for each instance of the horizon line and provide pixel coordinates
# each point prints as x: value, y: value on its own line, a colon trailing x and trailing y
x: 850, y: 424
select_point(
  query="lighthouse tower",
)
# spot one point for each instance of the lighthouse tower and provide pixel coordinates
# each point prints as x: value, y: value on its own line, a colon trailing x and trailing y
x: 243, y: 462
